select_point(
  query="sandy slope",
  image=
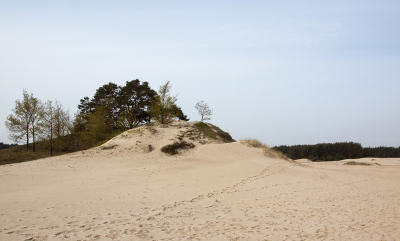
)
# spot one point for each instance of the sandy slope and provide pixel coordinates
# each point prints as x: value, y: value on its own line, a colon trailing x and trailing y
x: 212, y: 192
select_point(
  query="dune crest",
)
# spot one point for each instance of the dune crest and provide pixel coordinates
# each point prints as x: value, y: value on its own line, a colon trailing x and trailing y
x: 145, y: 139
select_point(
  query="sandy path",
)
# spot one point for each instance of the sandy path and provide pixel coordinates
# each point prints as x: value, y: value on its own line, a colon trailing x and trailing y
x: 214, y: 192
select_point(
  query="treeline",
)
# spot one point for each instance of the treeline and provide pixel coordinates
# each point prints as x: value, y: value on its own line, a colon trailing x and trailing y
x: 336, y: 151
x: 382, y: 151
x: 112, y: 110
x: 5, y: 146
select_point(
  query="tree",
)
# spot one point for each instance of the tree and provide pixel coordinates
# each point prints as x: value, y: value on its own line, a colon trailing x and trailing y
x: 48, y: 123
x: 62, y: 120
x: 85, y: 107
x: 204, y: 111
x: 106, y: 96
x: 136, y: 100
x: 126, y: 106
x: 161, y: 110
x: 23, y: 122
x: 97, y: 127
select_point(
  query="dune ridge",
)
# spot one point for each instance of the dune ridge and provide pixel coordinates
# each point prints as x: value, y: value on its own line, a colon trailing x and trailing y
x: 127, y: 189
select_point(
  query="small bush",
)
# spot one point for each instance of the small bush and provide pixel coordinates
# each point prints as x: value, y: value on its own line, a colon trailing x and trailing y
x: 174, y: 148
x: 108, y: 147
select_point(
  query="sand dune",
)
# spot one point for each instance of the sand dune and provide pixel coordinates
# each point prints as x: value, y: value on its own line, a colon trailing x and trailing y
x: 125, y: 190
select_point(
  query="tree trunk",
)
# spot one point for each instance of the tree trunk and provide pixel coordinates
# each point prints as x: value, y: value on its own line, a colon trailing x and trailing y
x: 33, y: 136
x: 27, y: 135
x: 51, y: 139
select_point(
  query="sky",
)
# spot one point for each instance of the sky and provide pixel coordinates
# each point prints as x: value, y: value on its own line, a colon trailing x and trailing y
x: 282, y: 72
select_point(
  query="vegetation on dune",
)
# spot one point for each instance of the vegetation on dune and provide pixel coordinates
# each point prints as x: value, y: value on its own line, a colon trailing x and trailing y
x: 65, y: 144
x: 253, y: 143
x: 129, y: 106
x: 112, y: 110
x: 214, y: 132
x: 353, y: 163
x: 174, y: 148
x: 266, y: 149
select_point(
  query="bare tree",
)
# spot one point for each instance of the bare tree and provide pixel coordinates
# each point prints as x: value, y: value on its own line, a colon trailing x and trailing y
x: 48, y: 123
x: 23, y: 122
x: 62, y: 120
x: 204, y: 111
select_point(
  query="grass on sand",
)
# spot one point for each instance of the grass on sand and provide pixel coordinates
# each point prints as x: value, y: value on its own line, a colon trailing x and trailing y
x: 266, y: 149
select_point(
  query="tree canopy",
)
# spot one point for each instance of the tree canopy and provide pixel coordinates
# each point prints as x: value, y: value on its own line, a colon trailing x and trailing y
x: 135, y: 99
x: 124, y: 106
x: 162, y: 109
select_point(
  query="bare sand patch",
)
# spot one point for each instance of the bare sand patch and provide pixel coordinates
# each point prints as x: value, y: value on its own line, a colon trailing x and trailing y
x: 123, y: 191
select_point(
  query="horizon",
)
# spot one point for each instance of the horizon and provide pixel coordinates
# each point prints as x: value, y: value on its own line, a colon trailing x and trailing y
x: 22, y: 144
x: 285, y: 73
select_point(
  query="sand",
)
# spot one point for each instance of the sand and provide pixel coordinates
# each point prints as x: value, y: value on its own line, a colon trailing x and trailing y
x: 125, y: 190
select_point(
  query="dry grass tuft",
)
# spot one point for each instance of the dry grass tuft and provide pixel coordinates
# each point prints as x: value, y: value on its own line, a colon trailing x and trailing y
x: 354, y: 163
x: 266, y: 149
x: 253, y: 143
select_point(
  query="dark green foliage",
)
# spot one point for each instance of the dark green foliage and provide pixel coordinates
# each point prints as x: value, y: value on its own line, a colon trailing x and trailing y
x: 174, y: 148
x: 335, y: 152
x: 135, y: 100
x: 107, y: 97
x: 177, y: 111
x: 126, y: 106
x: 323, y: 151
x: 382, y: 151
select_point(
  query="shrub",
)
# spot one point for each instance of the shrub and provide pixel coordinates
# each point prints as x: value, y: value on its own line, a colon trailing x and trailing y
x: 174, y: 148
x: 108, y: 147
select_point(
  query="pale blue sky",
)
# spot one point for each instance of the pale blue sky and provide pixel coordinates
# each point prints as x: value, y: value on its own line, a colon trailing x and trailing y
x: 284, y: 72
